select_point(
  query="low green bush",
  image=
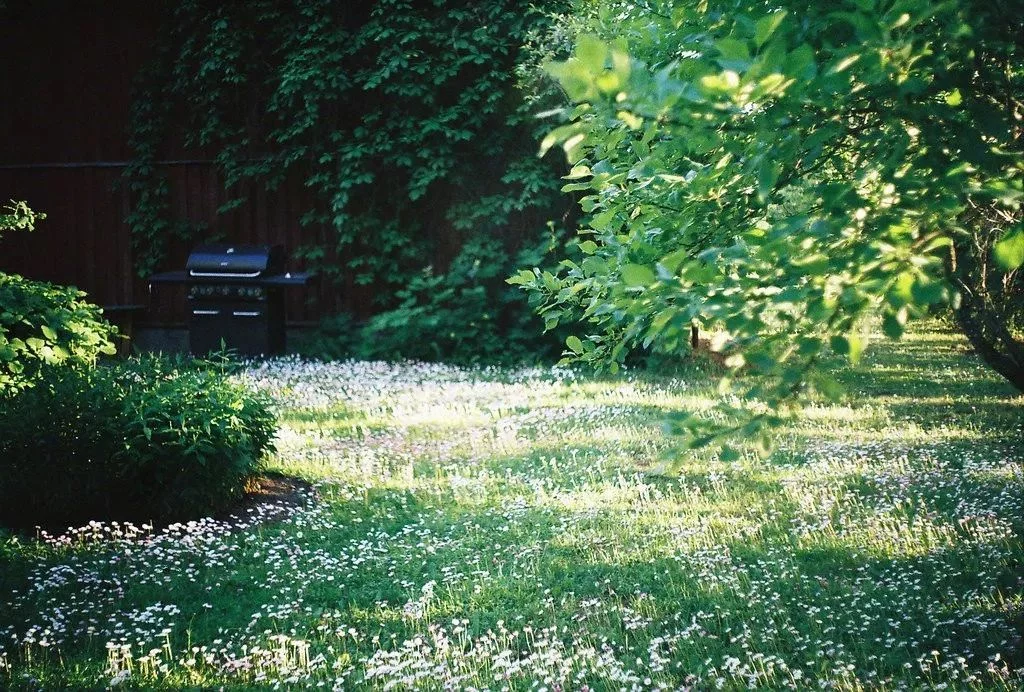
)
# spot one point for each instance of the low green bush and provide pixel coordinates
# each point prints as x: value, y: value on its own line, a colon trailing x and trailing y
x: 147, y: 438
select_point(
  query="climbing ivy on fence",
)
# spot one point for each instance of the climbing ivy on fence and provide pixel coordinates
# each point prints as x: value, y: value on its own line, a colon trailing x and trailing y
x: 406, y: 121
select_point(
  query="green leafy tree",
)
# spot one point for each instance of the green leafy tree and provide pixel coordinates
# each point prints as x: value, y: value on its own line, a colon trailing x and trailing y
x: 40, y: 323
x: 778, y: 171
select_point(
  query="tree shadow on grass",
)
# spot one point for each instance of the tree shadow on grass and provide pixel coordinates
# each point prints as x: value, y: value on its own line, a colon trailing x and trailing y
x: 540, y: 565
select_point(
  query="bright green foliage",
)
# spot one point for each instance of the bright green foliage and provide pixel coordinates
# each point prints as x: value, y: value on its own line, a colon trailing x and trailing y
x: 140, y: 439
x: 41, y: 323
x: 778, y: 172
x: 402, y: 119
x: 18, y: 216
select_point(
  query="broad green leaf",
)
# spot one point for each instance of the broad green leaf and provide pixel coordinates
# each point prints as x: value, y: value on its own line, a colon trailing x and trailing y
x: 767, y: 176
x: 734, y: 54
x: 722, y: 83
x: 855, y: 346
x: 637, y: 275
x: 575, y: 344
x: 827, y: 385
x: 928, y: 292
x: 663, y: 317
x: 801, y: 64
x: 592, y: 53
x: 902, y: 289
x: 766, y: 26
x: 1009, y: 250
x: 592, y: 266
x: 892, y: 323
x: 672, y: 260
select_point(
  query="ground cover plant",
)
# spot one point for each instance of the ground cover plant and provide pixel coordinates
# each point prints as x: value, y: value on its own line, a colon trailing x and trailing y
x: 517, y: 529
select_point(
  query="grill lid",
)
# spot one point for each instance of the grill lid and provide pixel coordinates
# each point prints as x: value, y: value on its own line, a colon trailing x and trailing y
x: 235, y: 261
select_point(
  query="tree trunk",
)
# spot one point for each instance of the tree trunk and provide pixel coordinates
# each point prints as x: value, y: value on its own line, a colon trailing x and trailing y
x: 984, y: 318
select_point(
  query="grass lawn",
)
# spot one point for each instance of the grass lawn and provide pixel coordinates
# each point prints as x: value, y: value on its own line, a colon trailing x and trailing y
x: 518, y: 529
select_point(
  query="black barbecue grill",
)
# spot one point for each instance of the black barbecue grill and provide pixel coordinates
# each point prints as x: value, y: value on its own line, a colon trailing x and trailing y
x: 235, y: 297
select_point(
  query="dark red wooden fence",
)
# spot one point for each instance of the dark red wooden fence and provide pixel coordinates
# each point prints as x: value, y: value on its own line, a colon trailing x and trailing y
x: 66, y: 70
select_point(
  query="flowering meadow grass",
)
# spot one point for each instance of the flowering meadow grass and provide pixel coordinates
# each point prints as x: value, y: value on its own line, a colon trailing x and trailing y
x: 532, y: 529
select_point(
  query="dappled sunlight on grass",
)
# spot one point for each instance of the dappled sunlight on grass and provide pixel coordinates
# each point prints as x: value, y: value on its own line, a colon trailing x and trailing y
x: 520, y: 528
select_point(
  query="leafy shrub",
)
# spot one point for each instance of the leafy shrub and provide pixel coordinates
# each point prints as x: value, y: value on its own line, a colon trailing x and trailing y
x: 147, y: 438
x: 335, y: 338
x: 467, y: 314
x: 445, y: 315
x: 41, y: 323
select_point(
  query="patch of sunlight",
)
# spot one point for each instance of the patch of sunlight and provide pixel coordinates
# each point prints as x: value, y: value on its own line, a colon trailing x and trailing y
x: 897, y: 535
x: 818, y: 414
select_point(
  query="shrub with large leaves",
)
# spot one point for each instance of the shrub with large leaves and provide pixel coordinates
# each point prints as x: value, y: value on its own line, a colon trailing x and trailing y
x: 41, y: 323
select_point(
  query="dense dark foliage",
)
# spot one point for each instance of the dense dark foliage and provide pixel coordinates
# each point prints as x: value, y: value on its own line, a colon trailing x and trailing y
x: 140, y: 439
x: 412, y: 126
x: 465, y: 315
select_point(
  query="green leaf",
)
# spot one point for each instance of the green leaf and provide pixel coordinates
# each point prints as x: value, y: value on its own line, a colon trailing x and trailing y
x: 892, y: 325
x: 734, y: 54
x: 801, y: 64
x: 856, y: 348
x: 634, y: 275
x: 767, y: 176
x: 928, y: 292
x: 1009, y: 250
x: 592, y: 52
x: 766, y: 26
x: 575, y: 344
x: 827, y: 385
x: 48, y: 332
